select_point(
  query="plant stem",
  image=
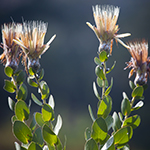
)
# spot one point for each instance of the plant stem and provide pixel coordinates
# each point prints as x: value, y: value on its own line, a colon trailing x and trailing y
x: 36, y: 78
x: 132, y: 101
x: 14, y: 81
x: 103, y: 88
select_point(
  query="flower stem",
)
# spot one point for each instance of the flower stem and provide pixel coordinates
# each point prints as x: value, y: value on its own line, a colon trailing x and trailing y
x: 15, y: 83
x: 103, y: 88
x: 39, y: 86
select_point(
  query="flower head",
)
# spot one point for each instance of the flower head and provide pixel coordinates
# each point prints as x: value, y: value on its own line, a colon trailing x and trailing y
x: 106, y: 29
x: 32, y: 42
x: 139, y: 61
x: 10, y: 56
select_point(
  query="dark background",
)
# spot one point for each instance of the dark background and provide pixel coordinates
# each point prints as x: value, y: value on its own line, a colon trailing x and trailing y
x: 69, y: 66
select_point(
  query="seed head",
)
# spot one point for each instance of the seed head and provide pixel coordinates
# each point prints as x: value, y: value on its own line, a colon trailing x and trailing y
x: 139, y: 62
x: 106, y: 29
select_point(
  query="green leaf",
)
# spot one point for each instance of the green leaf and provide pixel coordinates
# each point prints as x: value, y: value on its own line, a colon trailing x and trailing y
x: 120, y: 116
x: 109, y: 122
x: 116, y: 122
x: 22, y: 132
x: 49, y: 136
x: 137, y: 91
x: 31, y: 82
x: 41, y: 74
x: 99, y: 130
x: 45, y: 90
x: 109, y: 145
x: 105, y: 107
x: 34, y: 146
x: 111, y: 68
x: 125, y: 107
x: 23, y: 92
x: 100, y: 82
x: 133, y: 121
x: 18, y: 147
x: 58, y: 125
x: 21, y: 77
x: 8, y: 71
x: 126, y: 147
x: 45, y: 147
x: 109, y: 88
x: 9, y: 86
x: 22, y: 111
x: 33, y: 123
x: 51, y: 101
x: 47, y: 113
x: 131, y: 84
x: 37, y: 137
x: 122, y: 136
x: 13, y: 119
x: 125, y: 95
x: 95, y: 91
x: 36, y: 100
x: 31, y: 71
x: 39, y: 119
x: 11, y: 104
x: 97, y: 61
x: 59, y: 144
x: 99, y: 73
x: 103, y: 56
x: 87, y: 134
x: 91, y: 113
x: 138, y: 105
x: 91, y: 145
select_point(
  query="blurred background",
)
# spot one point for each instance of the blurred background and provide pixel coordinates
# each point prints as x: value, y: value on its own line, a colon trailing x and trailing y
x: 69, y: 65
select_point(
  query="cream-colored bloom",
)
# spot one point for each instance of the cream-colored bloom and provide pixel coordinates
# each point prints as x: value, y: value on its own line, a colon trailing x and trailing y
x: 10, y: 56
x: 106, y: 29
x: 32, y: 42
x: 139, y: 61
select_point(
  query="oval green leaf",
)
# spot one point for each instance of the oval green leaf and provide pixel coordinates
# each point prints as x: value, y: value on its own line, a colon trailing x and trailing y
x: 99, y: 130
x: 99, y: 73
x: 11, y: 104
x: 23, y: 92
x: 39, y: 119
x: 125, y: 107
x: 109, y: 145
x: 41, y: 74
x: 122, y: 136
x: 45, y: 90
x: 95, y: 91
x: 103, y: 56
x: 22, y: 132
x: 49, y: 136
x: 47, y: 113
x: 34, y: 146
x: 9, y: 86
x: 37, y: 137
x: 21, y: 110
x: 133, y: 121
x: 138, y: 105
x: 105, y: 107
x: 31, y: 82
x: 97, y: 61
x: 36, y: 100
x: 91, y: 113
x: 21, y: 77
x: 137, y: 91
x: 116, y: 122
x: 91, y: 145
x: 8, y: 71
x: 87, y: 134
